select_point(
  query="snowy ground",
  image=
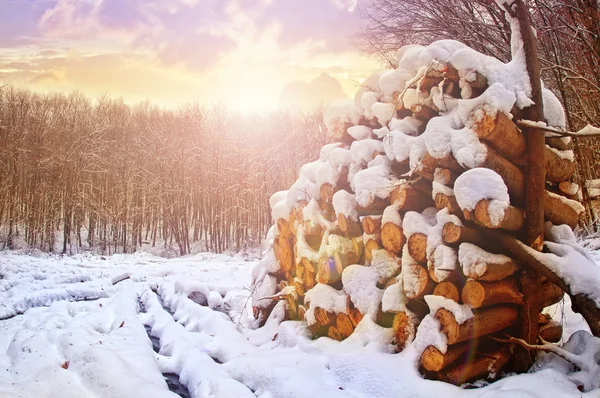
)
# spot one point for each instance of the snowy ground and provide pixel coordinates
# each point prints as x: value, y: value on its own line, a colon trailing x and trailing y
x: 52, y: 346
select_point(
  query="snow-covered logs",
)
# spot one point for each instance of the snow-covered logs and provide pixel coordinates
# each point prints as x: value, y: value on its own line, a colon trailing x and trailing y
x: 388, y: 226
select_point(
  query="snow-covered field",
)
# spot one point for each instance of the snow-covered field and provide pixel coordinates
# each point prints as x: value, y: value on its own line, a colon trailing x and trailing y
x: 67, y: 331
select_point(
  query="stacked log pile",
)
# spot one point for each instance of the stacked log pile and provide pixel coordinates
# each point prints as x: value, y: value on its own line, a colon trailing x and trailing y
x: 392, y: 223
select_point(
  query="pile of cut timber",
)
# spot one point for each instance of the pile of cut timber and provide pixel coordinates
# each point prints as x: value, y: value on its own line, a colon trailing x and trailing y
x: 395, y: 220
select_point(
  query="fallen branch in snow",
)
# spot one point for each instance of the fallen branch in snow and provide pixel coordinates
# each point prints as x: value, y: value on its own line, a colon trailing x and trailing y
x: 584, y: 357
x: 120, y: 278
x: 587, y: 131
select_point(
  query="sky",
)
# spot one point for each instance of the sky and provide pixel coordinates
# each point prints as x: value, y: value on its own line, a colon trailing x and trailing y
x: 253, y: 55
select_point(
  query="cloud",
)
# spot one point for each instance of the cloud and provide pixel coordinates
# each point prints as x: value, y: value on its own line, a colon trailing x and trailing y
x: 321, y: 91
x: 50, y: 77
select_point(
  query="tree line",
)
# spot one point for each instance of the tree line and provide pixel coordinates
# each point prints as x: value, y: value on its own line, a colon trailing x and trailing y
x: 568, y: 33
x: 81, y: 174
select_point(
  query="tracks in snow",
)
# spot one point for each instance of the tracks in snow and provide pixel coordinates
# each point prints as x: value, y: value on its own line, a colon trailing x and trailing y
x: 188, y: 351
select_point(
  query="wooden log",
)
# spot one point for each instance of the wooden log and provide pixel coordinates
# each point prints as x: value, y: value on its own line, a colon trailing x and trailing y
x: 284, y: 253
x: 559, y: 143
x: 551, y: 332
x: 355, y: 316
x: 299, y: 285
x: 448, y: 290
x: 404, y: 326
x: 482, y: 294
x: 309, y: 279
x: 334, y: 334
x: 377, y: 206
x: 296, y: 217
x: 328, y: 211
x: 502, y: 134
x: 371, y: 224
x: 292, y: 306
x: 416, y: 281
x: 344, y: 325
x: 422, y: 185
x: 372, y: 244
x: 323, y: 317
x: 384, y: 319
x: 558, y: 168
x: 513, y: 177
x: 550, y: 294
x: 350, y: 227
x: 443, y: 264
x: 283, y: 226
x: 326, y: 272
x: 410, y: 199
x: 301, y: 312
x: 558, y: 211
x: 513, y: 219
x: 326, y: 193
x: 483, y: 364
x: 434, y: 360
x: 454, y: 235
x: 568, y: 189
x: 445, y: 176
x: 417, y: 247
x: 488, y: 270
x: 443, y: 201
x: 392, y: 237
x: 485, y: 321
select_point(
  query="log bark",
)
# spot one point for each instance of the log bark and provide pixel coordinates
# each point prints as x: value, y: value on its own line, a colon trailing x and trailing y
x: 376, y: 207
x: 392, y: 237
x: 485, y: 321
x: 491, y: 272
x: 558, y: 169
x: 454, y: 235
x: 417, y: 247
x: 482, y: 294
x: 410, y: 199
x: 484, y: 364
x: 371, y: 224
x: 502, y: 134
x: 434, y: 360
x: 558, y: 212
x: 559, y: 143
x: 513, y: 177
x: 513, y: 219
x: 550, y: 294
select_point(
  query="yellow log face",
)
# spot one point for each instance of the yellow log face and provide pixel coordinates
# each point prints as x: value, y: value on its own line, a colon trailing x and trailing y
x: 392, y: 238
x: 417, y: 247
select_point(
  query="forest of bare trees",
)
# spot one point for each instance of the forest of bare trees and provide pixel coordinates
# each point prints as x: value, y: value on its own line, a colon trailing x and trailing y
x: 568, y: 45
x: 80, y: 174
